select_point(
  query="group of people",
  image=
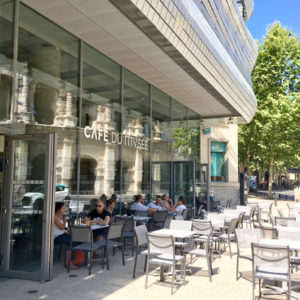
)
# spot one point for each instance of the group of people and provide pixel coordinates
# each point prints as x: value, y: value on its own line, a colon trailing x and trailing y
x: 163, y: 202
x: 100, y: 215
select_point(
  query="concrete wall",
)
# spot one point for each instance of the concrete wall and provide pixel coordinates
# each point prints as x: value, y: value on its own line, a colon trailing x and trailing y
x: 229, y: 134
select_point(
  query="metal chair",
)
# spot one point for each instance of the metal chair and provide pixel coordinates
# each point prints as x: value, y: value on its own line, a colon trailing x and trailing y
x: 270, y: 263
x: 114, y: 239
x: 140, y: 240
x: 128, y: 229
x: 244, y: 238
x: 158, y: 218
x: 230, y: 235
x: 167, y: 222
x: 185, y: 214
x: 83, y: 235
x: 161, y: 252
x: 266, y: 231
x: 205, y: 252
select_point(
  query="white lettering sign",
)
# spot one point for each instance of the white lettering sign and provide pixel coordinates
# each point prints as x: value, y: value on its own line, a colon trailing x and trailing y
x: 115, y: 138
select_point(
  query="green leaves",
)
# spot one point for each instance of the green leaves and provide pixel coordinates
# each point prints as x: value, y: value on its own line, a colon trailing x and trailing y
x: 273, y: 135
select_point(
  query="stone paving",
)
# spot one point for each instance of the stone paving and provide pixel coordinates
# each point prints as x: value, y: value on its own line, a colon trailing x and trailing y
x: 117, y: 283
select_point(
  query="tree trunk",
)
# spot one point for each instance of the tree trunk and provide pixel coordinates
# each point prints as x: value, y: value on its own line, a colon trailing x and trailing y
x: 270, y: 179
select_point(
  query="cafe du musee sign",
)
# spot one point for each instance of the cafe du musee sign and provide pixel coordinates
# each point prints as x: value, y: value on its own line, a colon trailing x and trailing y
x: 115, y: 138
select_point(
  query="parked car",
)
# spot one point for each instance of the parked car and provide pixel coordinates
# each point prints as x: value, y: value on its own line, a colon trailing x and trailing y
x: 29, y: 199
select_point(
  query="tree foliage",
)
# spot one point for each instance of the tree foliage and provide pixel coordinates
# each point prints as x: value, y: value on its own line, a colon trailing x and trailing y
x: 271, y: 140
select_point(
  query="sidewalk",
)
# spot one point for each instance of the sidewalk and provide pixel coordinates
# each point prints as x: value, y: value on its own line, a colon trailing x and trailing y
x: 117, y: 283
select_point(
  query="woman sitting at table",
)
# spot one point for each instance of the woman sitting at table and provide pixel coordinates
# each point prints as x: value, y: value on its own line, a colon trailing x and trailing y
x: 179, y: 206
x: 99, y: 216
x: 61, y: 236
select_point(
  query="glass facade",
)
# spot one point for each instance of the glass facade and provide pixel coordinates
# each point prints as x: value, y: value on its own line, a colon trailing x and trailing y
x: 6, y: 57
x: 117, y: 134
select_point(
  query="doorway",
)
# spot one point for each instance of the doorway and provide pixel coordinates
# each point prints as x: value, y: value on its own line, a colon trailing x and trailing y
x: 27, y: 206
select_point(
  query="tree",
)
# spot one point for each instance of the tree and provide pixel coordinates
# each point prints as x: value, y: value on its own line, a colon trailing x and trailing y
x: 271, y: 140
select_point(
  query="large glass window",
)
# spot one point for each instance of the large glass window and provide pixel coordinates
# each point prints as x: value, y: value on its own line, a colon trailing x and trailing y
x: 6, y: 54
x: 48, y: 88
x: 193, y: 135
x: 136, y: 131
x: 47, y: 72
x: 179, y: 131
x: 161, y: 142
x: 101, y: 124
x: 218, y: 161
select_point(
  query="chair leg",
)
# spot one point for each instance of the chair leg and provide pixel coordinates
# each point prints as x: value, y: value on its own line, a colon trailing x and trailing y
x: 123, y: 258
x: 135, y: 262
x: 106, y: 253
x: 173, y: 275
x: 184, y: 270
x: 69, y: 261
x: 209, y: 267
x: 237, y: 267
x: 229, y: 242
x: 147, y: 271
x: 253, y: 288
x: 90, y: 254
x: 103, y: 257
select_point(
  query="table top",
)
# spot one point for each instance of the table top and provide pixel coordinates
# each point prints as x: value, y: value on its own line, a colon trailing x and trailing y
x: 94, y: 227
x: 138, y: 218
x: 294, y: 245
x: 176, y: 233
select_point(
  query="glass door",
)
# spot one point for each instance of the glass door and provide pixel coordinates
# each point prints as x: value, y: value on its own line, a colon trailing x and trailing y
x: 184, y: 182
x: 202, y: 186
x: 27, y: 210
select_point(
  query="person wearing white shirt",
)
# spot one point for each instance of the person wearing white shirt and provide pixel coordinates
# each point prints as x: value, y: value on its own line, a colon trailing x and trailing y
x: 157, y: 204
x: 179, y: 206
x: 138, y: 205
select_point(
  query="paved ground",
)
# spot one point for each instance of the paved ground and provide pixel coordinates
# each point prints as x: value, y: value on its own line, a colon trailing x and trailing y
x: 117, y: 283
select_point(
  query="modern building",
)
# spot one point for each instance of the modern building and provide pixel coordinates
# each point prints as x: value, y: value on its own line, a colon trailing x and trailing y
x: 115, y: 96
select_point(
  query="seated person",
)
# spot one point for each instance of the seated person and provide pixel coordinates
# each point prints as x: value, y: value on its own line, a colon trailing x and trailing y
x: 138, y: 205
x: 157, y: 204
x: 61, y: 235
x: 99, y: 216
x: 179, y: 206
x: 167, y: 203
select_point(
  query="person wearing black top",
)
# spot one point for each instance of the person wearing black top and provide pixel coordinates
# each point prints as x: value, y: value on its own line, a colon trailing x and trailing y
x: 99, y: 216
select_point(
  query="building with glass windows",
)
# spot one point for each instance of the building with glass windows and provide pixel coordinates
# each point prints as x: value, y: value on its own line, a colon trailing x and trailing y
x: 115, y: 97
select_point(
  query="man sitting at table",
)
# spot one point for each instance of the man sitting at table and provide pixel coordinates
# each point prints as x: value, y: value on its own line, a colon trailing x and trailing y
x: 157, y: 204
x: 139, y: 206
x: 99, y: 216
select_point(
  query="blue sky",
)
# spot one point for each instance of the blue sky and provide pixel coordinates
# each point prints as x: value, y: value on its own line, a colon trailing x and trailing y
x: 268, y: 11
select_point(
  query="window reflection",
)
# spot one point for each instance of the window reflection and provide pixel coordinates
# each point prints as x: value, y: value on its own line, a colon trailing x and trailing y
x: 101, y: 111
x: 161, y: 142
x: 6, y: 54
x: 136, y: 114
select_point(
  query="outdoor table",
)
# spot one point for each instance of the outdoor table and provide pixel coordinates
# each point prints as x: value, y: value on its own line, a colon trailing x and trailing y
x: 94, y: 227
x: 270, y: 242
x: 180, y: 234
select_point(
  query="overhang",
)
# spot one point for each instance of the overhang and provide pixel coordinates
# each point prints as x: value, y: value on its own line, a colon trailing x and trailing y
x: 127, y: 35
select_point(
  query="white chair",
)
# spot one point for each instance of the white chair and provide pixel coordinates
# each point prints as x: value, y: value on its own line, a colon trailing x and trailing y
x: 205, y: 252
x: 181, y: 225
x: 161, y: 252
x: 270, y: 263
x: 230, y: 235
x: 244, y: 238
x: 140, y: 240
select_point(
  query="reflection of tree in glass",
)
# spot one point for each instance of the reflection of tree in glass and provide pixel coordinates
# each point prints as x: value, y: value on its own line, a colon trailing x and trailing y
x: 186, y: 140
